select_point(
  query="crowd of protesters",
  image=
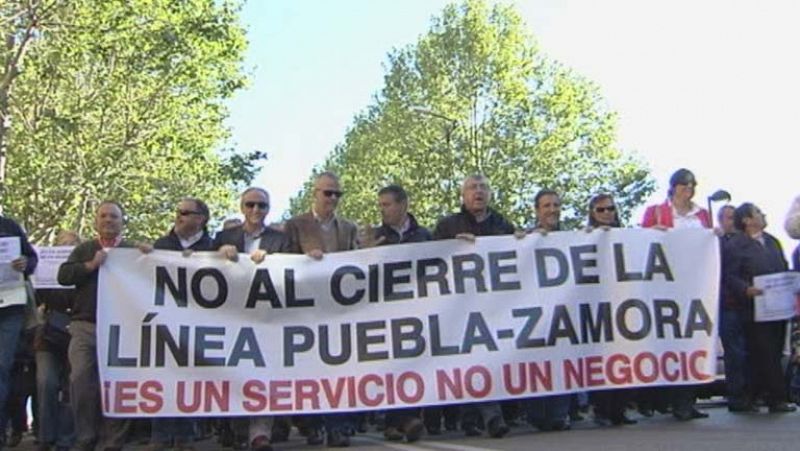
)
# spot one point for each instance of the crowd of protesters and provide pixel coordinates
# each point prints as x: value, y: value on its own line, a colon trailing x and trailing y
x: 55, y: 362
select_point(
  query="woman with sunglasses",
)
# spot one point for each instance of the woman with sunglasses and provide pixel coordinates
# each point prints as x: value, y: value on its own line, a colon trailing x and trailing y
x: 609, y: 405
x: 603, y: 212
x: 678, y: 211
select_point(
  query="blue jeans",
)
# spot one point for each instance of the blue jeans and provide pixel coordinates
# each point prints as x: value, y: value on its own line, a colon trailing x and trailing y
x: 55, y: 415
x: 734, y: 344
x: 11, y: 321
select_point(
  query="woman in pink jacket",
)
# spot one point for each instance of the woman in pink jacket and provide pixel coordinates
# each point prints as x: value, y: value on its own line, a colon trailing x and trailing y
x: 678, y: 212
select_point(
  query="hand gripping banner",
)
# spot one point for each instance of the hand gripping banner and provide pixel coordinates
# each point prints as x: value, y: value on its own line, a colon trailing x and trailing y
x: 406, y: 325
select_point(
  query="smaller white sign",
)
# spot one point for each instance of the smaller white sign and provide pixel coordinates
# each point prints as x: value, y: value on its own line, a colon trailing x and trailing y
x: 780, y: 298
x: 9, y: 251
x: 50, y: 259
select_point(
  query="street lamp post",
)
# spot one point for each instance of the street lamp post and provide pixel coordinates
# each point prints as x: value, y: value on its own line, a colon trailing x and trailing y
x: 718, y: 196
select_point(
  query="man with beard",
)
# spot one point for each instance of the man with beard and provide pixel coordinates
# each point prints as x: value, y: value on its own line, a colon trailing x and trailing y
x: 188, y: 234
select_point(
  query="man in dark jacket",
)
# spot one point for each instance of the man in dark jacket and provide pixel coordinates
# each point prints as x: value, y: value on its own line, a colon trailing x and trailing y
x: 189, y: 231
x: 256, y: 238
x: 253, y: 236
x: 187, y: 234
x: 12, y: 315
x: 82, y: 269
x: 477, y: 219
x: 749, y: 253
x: 549, y: 413
x: 398, y: 226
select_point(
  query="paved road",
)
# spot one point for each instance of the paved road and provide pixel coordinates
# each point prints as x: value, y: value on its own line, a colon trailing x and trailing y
x: 722, y: 431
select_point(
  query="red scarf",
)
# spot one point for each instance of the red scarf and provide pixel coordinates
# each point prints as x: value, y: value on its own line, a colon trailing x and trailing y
x: 109, y: 243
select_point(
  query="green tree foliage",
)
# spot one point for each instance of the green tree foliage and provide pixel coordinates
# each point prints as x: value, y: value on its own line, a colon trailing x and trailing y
x: 475, y: 95
x: 122, y: 99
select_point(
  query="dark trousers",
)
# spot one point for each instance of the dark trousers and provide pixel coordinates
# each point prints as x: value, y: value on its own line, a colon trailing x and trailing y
x: 609, y: 404
x: 765, y: 345
x: 734, y: 344
x: 397, y: 418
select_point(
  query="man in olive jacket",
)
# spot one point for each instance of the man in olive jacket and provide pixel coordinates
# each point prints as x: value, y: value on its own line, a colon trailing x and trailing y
x: 82, y: 269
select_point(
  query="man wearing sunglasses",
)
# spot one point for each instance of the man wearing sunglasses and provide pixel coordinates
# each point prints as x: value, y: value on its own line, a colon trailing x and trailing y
x: 315, y: 233
x: 321, y: 230
x: 188, y: 234
x: 255, y: 238
x: 189, y: 231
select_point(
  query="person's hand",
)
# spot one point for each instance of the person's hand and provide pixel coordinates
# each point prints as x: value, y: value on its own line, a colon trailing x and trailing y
x: 520, y: 234
x: 144, y: 248
x: 187, y: 253
x: 366, y: 237
x: 752, y: 292
x: 466, y: 237
x: 316, y: 254
x: 541, y: 231
x: 258, y: 256
x: 19, y: 263
x: 588, y: 229
x: 98, y: 260
x: 229, y: 252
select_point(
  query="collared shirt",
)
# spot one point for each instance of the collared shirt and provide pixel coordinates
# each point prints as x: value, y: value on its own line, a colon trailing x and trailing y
x: 403, y: 228
x: 187, y: 243
x: 759, y: 237
x: 688, y: 221
x: 252, y: 241
x: 330, y: 231
x: 106, y: 244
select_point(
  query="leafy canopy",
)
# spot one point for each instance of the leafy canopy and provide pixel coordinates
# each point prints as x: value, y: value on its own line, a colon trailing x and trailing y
x: 123, y: 99
x: 476, y: 95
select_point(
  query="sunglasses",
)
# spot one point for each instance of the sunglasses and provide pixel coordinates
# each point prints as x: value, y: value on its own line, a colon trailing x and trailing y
x: 187, y: 212
x: 609, y: 209
x: 331, y: 193
x: 261, y: 205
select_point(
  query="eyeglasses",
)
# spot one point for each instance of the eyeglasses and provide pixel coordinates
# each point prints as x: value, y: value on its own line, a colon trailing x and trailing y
x: 261, y: 205
x: 331, y: 193
x: 187, y: 212
x: 609, y: 209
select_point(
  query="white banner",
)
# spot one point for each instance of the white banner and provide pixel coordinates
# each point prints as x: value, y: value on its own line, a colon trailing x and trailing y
x: 407, y: 325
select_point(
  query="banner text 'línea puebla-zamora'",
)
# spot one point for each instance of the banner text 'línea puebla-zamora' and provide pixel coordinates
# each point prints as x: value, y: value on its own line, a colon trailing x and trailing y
x: 406, y: 325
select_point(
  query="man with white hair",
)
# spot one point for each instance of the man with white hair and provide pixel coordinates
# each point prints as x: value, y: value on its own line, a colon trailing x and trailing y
x: 475, y: 219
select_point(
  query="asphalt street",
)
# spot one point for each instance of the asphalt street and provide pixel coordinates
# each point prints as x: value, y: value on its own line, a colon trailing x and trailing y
x: 722, y: 431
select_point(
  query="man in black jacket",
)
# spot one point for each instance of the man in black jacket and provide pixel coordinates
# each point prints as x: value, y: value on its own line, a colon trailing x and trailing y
x: 747, y: 254
x: 477, y: 219
x: 189, y: 231
x: 188, y: 234
x: 398, y: 225
x: 253, y: 236
x: 257, y: 239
